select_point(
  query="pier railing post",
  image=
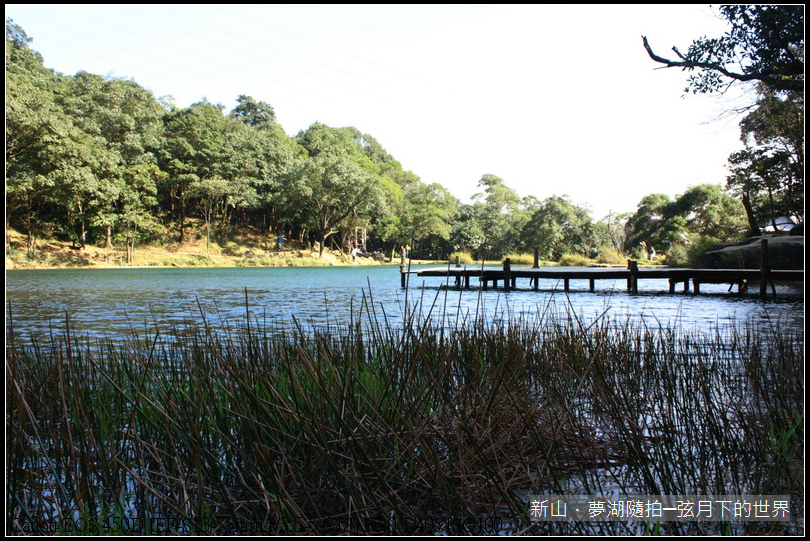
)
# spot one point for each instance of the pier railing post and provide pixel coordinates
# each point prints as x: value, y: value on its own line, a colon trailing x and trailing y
x: 632, y: 282
x: 507, y: 273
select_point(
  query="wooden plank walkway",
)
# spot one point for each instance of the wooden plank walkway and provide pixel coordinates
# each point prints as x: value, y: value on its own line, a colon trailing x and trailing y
x: 508, y: 276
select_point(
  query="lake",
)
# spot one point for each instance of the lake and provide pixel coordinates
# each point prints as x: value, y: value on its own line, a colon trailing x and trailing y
x: 110, y: 302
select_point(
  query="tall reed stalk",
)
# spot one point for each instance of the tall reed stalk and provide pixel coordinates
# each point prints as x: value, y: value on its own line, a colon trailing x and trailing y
x: 410, y: 429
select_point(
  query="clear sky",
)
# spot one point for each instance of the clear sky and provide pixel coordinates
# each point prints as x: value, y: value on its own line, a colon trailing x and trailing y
x: 555, y: 100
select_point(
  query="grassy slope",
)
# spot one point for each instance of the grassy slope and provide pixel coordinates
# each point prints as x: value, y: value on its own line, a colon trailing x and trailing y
x: 247, y: 248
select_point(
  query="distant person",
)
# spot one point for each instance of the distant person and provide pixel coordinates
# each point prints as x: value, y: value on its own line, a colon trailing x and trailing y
x: 280, y: 242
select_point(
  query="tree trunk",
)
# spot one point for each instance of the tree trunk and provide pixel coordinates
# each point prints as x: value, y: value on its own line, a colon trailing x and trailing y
x: 749, y: 212
x: 31, y: 237
x: 207, y: 231
x: 182, y: 220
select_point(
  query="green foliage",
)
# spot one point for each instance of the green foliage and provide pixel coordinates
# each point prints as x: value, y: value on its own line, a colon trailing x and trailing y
x: 558, y: 226
x: 428, y: 211
x: 697, y: 247
x: 764, y: 43
x: 678, y: 227
x: 468, y: 234
x: 37, y: 136
x: 709, y: 211
x: 768, y: 175
x: 330, y: 188
x: 93, y: 157
x: 254, y: 113
x: 496, y: 210
x: 676, y: 256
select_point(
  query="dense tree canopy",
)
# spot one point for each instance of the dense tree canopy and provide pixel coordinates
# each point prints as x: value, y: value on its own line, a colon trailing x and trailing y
x: 702, y: 215
x: 557, y: 227
x: 99, y: 160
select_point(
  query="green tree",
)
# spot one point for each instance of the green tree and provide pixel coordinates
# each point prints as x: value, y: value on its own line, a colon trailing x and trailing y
x: 137, y: 204
x: 195, y: 148
x: 467, y: 234
x: 557, y: 227
x: 122, y: 123
x: 210, y: 193
x: 702, y: 215
x: 320, y: 139
x: 330, y: 189
x: 495, y: 209
x: 429, y: 209
x: 396, y: 222
x: 337, y: 181
x: 764, y: 43
x: 711, y: 212
x: 388, y: 228
x: 257, y: 114
x: 36, y: 132
x: 263, y: 157
x: 84, y: 181
x: 768, y: 174
x: 651, y: 225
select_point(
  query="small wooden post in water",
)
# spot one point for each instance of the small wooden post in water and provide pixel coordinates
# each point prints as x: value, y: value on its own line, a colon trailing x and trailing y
x: 507, y: 273
x: 403, y: 269
x: 765, y: 270
x: 632, y: 282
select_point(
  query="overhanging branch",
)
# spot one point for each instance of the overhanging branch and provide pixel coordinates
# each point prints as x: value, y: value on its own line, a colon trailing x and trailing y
x: 778, y: 81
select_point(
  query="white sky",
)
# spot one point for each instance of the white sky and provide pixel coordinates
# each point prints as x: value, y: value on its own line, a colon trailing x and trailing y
x: 553, y: 99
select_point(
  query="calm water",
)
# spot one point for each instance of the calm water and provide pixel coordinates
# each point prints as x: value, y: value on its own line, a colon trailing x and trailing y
x: 114, y: 301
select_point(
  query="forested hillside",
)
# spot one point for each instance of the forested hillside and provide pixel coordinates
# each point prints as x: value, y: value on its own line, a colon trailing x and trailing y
x: 100, y: 161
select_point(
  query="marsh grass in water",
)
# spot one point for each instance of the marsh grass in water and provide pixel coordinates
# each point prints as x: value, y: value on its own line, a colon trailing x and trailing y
x: 407, y: 429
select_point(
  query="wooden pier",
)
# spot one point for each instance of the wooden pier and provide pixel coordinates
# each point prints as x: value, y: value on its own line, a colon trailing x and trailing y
x: 508, y: 276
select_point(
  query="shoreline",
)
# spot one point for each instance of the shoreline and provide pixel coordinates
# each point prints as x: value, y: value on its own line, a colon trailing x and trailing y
x: 247, y: 251
x: 281, y: 262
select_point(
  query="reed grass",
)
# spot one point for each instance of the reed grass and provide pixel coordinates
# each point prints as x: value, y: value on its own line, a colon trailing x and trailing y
x: 368, y: 427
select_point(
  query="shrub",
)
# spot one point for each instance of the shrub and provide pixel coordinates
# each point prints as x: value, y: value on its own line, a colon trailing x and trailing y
x: 610, y: 256
x: 521, y: 259
x: 574, y: 260
x: 463, y: 257
x: 677, y: 256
